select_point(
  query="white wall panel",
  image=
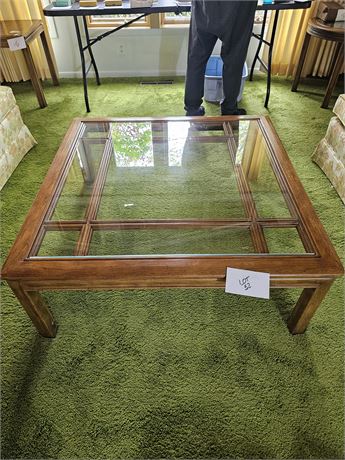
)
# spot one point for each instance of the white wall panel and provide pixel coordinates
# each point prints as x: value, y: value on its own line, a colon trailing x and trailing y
x: 128, y: 53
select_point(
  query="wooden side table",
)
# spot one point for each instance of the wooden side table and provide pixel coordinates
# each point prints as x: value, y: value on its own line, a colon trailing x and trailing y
x: 30, y: 30
x: 333, y: 32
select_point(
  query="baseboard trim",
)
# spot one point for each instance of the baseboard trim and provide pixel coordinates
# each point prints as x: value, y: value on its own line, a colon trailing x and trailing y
x: 129, y: 73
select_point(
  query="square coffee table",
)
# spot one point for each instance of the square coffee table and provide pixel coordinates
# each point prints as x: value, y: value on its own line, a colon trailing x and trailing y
x: 154, y: 203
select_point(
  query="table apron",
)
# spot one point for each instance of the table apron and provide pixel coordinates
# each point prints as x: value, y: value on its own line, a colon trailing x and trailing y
x: 156, y: 283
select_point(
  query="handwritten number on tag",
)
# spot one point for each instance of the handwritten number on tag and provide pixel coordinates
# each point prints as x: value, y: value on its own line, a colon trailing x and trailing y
x: 247, y: 282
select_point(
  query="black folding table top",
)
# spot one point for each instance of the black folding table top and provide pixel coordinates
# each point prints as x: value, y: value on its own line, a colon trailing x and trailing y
x: 159, y: 6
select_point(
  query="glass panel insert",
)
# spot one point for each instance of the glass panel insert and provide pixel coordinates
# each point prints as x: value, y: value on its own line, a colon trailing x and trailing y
x: 253, y: 156
x: 96, y: 130
x: 58, y: 243
x: 171, y: 241
x: 284, y: 241
x: 79, y: 183
x: 162, y: 170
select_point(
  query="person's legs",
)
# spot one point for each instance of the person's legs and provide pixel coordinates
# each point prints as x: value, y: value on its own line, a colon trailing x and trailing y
x: 235, y: 44
x: 200, y: 47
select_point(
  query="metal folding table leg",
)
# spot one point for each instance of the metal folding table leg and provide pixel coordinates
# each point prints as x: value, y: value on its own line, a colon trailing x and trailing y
x: 88, y: 46
x: 90, y: 50
x: 83, y: 67
x: 269, y: 63
x: 260, y: 37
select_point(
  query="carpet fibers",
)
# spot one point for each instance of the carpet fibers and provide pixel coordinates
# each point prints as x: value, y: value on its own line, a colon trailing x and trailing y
x: 171, y: 373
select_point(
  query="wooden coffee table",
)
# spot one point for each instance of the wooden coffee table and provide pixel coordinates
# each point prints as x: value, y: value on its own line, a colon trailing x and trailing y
x: 157, y: 203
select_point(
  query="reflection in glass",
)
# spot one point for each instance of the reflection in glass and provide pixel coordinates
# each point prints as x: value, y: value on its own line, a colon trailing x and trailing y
x: 77, y: 189
x: 132, y: 144
x: 96, y: 130
x: 242, y: 131
x: 187, y: 178
x: 268, y: 197
x: 177, y: 136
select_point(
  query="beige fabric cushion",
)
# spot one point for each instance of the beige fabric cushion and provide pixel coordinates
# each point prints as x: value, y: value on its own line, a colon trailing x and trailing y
x: 15, y: 138
x: 335, y: 136
x: 331, y: 165
x: 330, y: 153
x: 339, y: 108
x: 7, y: 101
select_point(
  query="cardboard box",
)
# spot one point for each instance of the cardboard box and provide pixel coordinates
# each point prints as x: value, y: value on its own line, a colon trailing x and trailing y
x: 140, y: 3
x: 88, y: 3
x: 62, y: 3
x: 113, y: 2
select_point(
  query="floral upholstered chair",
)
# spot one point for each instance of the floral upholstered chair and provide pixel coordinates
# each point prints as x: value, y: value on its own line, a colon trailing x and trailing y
x: 330, y: 153
x: 15, y: 137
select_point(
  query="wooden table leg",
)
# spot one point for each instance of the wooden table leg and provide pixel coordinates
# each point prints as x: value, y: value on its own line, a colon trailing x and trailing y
x: 49, y: 58
x: 301, y: 62
x: 339, y: 62
x: 36, y: 83
x: 306, y: 306
x: 36, y: 308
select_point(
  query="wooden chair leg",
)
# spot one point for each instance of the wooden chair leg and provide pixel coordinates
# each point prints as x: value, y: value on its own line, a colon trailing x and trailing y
x: 301, y: 62
x: 36, y: 83
x: 49, y: 58
x: 339, y: 62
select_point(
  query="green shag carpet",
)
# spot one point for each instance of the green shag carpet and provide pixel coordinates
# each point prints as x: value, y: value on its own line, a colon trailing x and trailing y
x: 171, y: 373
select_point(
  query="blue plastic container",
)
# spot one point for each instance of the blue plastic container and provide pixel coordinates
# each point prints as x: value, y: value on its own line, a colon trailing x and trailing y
x: 213, y: 90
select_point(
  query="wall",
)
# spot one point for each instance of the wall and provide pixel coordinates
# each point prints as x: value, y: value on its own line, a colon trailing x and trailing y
x: 129, y: 52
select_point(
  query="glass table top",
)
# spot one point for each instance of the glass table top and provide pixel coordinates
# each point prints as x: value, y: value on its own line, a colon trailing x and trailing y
x: 160, y: 188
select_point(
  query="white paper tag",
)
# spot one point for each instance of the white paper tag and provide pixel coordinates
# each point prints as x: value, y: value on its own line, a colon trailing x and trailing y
x: 17, y: 43
x: 340, y: 15
x: 247, y: 282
